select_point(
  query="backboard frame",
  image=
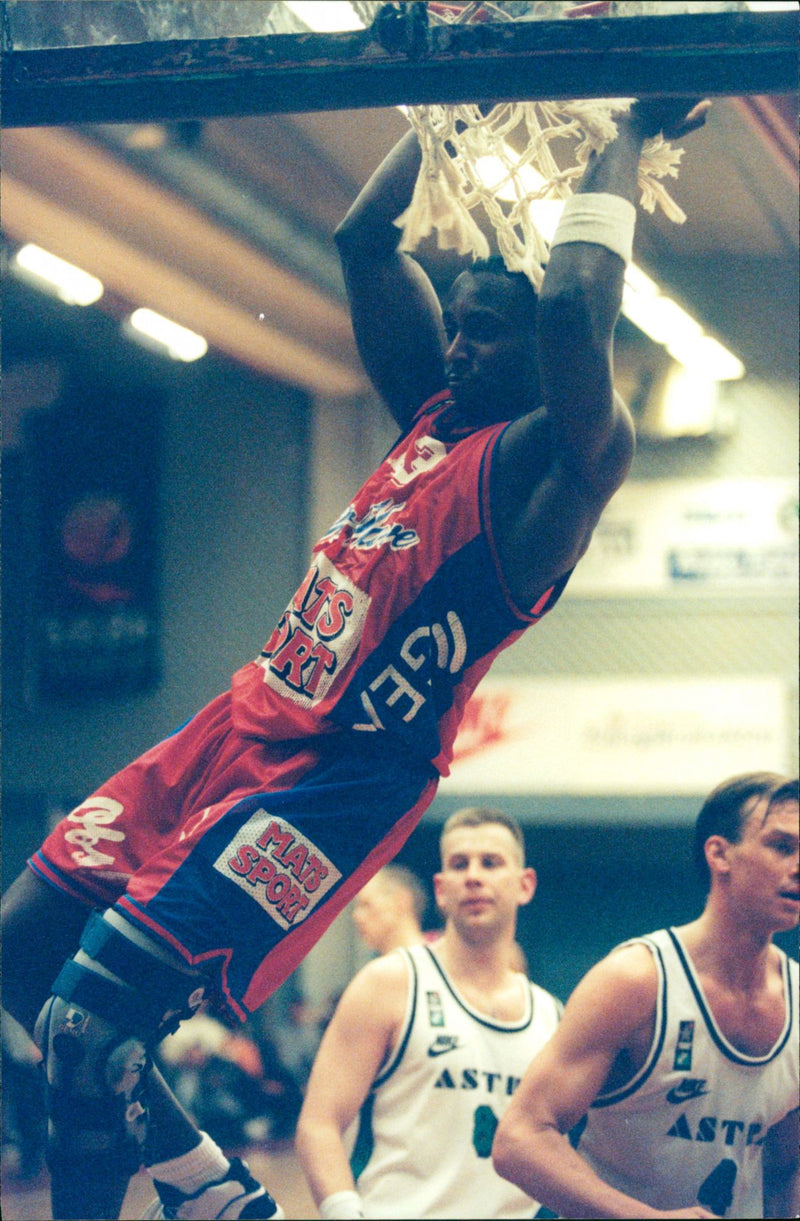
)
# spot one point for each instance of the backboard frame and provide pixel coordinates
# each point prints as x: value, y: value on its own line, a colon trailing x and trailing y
x: 698, y: 55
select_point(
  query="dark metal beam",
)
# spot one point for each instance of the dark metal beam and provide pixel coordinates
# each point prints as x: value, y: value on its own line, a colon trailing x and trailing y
x: 702, y: 55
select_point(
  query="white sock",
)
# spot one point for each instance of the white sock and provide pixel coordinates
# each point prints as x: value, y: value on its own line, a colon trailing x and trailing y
x: 204, y: 1164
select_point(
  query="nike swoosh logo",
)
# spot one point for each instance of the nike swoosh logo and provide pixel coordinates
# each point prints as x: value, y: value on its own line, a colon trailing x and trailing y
x: 684, y: 1093
x: 441, y: 1049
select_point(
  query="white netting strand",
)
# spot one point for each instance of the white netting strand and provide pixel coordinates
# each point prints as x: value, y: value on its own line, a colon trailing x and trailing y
x: 458, y: 142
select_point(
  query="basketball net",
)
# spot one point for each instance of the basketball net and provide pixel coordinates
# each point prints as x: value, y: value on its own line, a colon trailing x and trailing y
x: 459, y: 142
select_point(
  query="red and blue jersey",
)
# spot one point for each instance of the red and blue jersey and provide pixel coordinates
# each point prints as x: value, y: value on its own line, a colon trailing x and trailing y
x: 404, y: 607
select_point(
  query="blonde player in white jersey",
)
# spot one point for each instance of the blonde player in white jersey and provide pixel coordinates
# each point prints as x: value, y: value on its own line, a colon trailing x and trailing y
x: 676, y: 1065
x: 426, y: 1048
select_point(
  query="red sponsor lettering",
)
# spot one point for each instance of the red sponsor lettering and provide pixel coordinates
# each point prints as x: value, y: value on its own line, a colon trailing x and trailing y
x: 292, y: 902
x: 296, y: 858
x: 311, y: 607
x: 278, y: 636
x: 293, y: 855
x: 320, y: 661
x: 314, y: 873
x: 337, y: 612
x: 289, y: 659
x: 243, y: 861
x: 281, y: 890
x: 274, y: 834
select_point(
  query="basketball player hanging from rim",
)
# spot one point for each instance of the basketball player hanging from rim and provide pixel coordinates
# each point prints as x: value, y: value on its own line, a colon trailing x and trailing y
x: 216, y: 860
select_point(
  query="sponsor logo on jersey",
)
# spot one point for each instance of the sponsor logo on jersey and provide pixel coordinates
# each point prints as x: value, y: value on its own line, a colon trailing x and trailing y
x: 375, y: 529
x: 683, y: 1048
x: 316, y: 636
x: 690, y: 1087
x: 710, y: 1129
x: 435, y: 1010
x: 426, y: 454
x: 443, y: 645
x: 442, y: 1044
x: 477, y: 1079
x: 280, y: 868
x: 94, y: 818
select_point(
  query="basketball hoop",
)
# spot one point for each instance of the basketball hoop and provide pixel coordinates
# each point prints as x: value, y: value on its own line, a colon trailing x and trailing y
x: 471, y: 158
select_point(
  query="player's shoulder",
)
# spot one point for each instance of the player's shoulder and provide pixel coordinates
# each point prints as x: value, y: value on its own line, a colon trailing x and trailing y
x: 544, y: 1001
x: 626, y: 980
x: 379, y: 989
x: 388, y: 969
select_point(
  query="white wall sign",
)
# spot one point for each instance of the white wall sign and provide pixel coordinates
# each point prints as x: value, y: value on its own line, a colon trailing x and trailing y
x: 626, y: 736
x: 734, y: 535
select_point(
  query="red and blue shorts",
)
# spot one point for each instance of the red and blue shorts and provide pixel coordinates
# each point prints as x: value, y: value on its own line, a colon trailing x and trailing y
x: 237, y: 852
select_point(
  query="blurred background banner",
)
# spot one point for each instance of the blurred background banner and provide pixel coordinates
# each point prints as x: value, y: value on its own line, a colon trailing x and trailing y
x: 94, y: 459
x: 618, y: 736
x: 720, y: 535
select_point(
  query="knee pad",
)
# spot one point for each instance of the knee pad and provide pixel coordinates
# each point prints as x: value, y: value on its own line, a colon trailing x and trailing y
x: 96, y: 1088
x: 132, y: 988
x: 95, y: 1034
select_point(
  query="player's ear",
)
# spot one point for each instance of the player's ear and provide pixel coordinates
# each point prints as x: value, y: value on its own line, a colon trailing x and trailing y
x: 717, y: 848
x: 528, y: 883
x: 437, y: 888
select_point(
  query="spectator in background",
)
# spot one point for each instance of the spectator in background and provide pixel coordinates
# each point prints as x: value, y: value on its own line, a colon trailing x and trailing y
x: 388, y: 911
x: 235, y: 1089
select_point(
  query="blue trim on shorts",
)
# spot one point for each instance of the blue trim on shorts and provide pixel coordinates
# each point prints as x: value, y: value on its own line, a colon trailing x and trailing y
x: 225, y: 901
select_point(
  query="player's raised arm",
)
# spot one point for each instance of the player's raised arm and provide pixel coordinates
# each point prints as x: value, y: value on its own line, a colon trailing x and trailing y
x: 395, y: 312
x: 551, y: 484
x: 610, y: 1014
x: 582, y: 293
x: 357, y: 1041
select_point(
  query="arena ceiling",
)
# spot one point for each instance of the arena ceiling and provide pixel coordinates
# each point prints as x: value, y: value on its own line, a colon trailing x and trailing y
x: 225, y: 223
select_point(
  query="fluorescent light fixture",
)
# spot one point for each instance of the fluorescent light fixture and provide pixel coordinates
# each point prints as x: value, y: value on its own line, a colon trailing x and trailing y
x: 772, y: 6
x: 177, y: 341
x: 55, y: 276
x: 326, y: 16
x: 688, y: 403
x: 638, y: 282
x: 706, y: 354
x: 664, y: 321
x: 668, y: 323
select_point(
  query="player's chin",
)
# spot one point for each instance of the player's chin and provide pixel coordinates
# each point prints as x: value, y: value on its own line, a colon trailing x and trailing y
x: 476, y: 402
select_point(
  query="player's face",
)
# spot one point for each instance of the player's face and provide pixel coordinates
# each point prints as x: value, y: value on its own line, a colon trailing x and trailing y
x: 482, y: 881
x: 490, y: 356
x: 764, y: 870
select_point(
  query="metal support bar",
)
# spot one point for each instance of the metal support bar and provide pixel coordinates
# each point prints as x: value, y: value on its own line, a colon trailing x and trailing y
x: 702, y: 55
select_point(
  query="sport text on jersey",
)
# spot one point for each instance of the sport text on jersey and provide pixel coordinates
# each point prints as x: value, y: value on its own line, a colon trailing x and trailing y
x: 279, y: 867
x: 316, y: 636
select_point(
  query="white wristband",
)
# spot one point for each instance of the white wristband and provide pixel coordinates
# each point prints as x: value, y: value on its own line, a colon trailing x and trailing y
x: 342, y: 1206
x: 605, y: 220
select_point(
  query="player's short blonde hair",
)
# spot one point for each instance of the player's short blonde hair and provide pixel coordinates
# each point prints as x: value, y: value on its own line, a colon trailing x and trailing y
x: 479, y: 816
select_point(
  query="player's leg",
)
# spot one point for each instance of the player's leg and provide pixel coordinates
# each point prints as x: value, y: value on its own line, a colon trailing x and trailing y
x: 41, y: 927
x: 109, y: 1109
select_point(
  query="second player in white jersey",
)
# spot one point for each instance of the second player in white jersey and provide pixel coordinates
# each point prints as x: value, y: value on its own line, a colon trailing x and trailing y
x: 425, y: 1131
x: 689, y: 1127
x: 426, y: 1047
x: 671, y: 1086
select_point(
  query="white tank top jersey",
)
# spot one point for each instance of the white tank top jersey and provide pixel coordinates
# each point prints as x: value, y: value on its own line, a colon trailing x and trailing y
x: 424, y: 1142
x: 689, y: 1127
